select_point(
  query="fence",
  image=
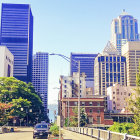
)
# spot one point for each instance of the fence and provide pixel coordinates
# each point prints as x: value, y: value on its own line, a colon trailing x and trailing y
x: 100, y: 134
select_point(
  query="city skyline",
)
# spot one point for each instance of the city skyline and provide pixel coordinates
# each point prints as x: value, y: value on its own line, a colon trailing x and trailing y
x: 64, y: 30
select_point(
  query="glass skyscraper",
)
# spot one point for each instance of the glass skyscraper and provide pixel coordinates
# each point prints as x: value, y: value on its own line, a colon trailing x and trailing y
x: 40, y: 76
x: 123, y: 29
x: 17, y: 35
x: 86, y: 66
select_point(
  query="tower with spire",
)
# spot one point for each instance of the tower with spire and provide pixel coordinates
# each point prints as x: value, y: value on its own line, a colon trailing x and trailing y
x: 124, y: 28
x: 109, y: 68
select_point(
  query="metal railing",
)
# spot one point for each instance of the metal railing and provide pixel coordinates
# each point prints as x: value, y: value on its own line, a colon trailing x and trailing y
x: 100, y: 134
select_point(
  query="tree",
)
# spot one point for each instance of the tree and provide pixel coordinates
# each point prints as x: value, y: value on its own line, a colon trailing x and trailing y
x: 122, y: 127
x: 21, y: 95
x: 74, y: 118
x: 134, y: 105
x: 4, y: 114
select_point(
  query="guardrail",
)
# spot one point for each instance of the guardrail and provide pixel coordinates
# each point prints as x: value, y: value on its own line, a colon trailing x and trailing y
x: 100, y: 134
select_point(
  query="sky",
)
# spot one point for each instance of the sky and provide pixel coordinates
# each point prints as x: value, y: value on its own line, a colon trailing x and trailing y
x: 80, y: 26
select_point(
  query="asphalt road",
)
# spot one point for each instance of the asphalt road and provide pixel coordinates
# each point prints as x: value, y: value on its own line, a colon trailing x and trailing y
x: 27, y: 134
x: 23, y: 134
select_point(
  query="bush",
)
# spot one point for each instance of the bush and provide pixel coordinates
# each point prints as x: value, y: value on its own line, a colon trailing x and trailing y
x: 54, y: 130
x: 122, y: 127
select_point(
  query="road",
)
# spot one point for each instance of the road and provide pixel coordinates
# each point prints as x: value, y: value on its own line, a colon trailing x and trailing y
x: 27, y: 134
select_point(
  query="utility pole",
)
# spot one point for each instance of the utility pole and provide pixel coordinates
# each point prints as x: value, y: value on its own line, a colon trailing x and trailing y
x: 79, y: 94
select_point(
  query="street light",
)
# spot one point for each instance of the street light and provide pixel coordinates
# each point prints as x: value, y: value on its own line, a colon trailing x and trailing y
x: 78, y: 62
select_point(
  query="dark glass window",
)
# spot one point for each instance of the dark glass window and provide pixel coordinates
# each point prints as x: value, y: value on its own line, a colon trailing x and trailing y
x: 102, y: 58
x: 107, y: 67
x: 107, y: 77
x: 118, y: 77
x: 110, y: 59
x: 114, y: 67
x: 118, y: 59
x: 114, y: 59
x: 106, y: 58
x: 98, y: 59
x: 110, y: 67
x: 118, y: 67
x: 114, y: 77
x: 111, y: 80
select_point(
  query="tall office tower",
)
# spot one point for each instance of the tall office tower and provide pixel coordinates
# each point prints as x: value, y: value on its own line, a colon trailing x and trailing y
x: 131, y: 50
x: 17, y: 35
x: 40, y: 76
x: 123, y: 29
x: 86, y: 66
x: 109, y: 68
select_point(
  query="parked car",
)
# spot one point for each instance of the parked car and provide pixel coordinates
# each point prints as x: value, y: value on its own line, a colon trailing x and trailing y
x: 41, y: 130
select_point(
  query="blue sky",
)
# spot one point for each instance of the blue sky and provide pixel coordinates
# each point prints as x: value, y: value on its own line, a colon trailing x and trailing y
x: 65, y: 26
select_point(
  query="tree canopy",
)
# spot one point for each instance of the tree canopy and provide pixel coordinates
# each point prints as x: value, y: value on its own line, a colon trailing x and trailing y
x: 23, y: 98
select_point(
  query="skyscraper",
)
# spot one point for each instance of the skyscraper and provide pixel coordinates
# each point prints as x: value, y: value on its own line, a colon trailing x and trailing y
x: 109, y: 68
x: 40, y: 76
x: 123, y: 29
x: 86, y: 66
x: 17, y: 36
x: 131, y: 50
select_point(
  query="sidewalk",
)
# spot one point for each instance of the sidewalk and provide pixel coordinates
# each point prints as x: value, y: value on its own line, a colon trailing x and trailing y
x: 69, y: 135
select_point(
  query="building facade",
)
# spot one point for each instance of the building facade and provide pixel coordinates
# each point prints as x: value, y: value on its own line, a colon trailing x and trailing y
x: 94, y: 109
x: 123, y: 29
x: 117, y: 96
x: 6, y: 62
x: 131, y: 50
x: 17, y: 35
x: 86, y: 66
x: 109, y: 68
x: 69, y: 85
x: 40, y: 76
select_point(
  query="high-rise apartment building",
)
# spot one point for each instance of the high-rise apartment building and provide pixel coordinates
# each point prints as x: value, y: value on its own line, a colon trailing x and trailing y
x: 40, y: 76
x: 69, y: 85
x: 131, y: 50
x: 109, y: 68
x: 123, y: 29
x: 86, y: 66
x: 17, y: 35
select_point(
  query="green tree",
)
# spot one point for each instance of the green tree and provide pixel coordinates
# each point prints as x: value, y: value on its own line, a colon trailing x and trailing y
x: 134, y: 105
x: 74, y: 118
x: 122, y: 127
x: 21, y: 95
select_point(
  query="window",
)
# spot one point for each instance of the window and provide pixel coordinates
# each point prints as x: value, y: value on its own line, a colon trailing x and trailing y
x: 110, y: 67
x: 110, y: 59
x: 98, y: 120
x: 65, y: 81
x: 114, y: 67
x: 75, y: 103
x: 65, y: 86
x: 90, y: 103
x: 98, y: 111
x: 90, y: 110
x: 83, y: 103
x: 107, y: 67
x: 106, y: 58
x: 114, y: 59
x: 98, y: 103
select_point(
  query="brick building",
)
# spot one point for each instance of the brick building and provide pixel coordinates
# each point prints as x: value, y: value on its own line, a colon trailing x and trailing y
x: 94, y: 108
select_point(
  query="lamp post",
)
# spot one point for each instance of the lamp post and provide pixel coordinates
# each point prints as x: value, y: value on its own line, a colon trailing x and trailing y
x: 78, y: 62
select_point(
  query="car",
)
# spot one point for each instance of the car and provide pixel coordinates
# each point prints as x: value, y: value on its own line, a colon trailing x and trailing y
x: 41, y: 130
